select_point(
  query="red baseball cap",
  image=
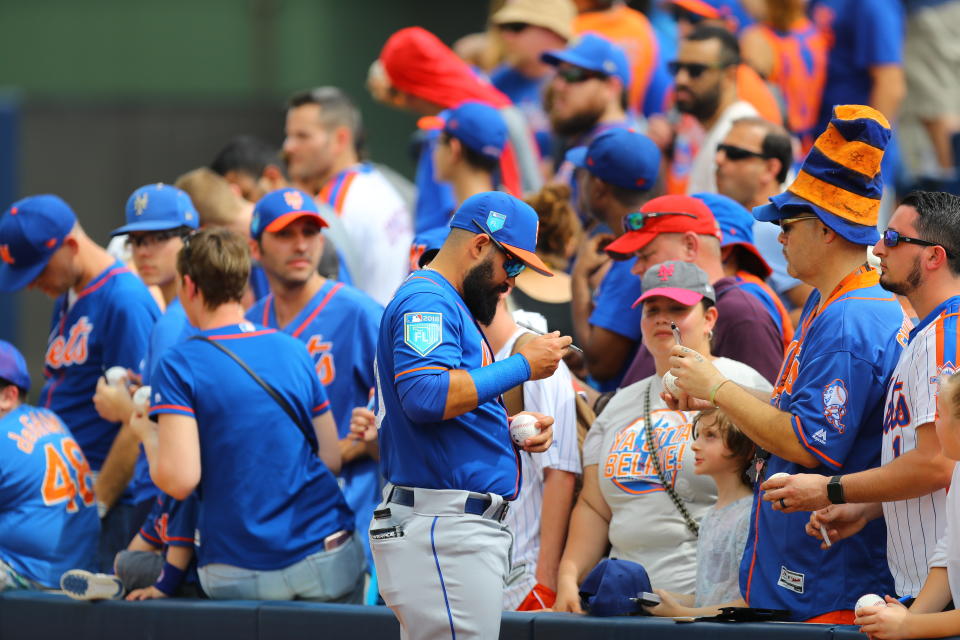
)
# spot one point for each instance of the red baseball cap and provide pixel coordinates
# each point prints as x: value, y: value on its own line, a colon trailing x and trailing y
x: 666, y: 214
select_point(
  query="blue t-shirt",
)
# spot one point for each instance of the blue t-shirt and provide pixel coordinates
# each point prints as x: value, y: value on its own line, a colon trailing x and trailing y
x: 266, y: 500
x: 833, y: 382
x: 173, y: 523
x: 612, y: 310
x: 527, y: 95
x: 48, y: 520
x: 339, y: 326
x: 108, y: 325
x: 426, y: 330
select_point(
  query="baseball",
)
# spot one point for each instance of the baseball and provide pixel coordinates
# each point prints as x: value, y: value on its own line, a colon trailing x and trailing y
x: 141, y: 397
x: 523, y: 426
x: 779, y: 475
x: 670, y: 383
x: 869, y: 600
x: 116, y: 376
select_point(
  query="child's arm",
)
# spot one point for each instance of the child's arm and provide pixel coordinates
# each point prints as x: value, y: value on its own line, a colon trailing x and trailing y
x: 674, y: 605
x: 925, y: 619
x: 177, y: 561
x: 139, y: 543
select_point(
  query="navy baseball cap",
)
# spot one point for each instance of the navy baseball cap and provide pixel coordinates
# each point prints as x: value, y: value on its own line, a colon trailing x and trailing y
x: 13, y: 368
x: 477, y: 125
x: 508, y: 220
x: 279, y: 208
x: 736, y: 225
x: 621, y: 157
x: 594, y: 53
x: 613, y: 587
x: 31, y: 231
x: 157, y: 207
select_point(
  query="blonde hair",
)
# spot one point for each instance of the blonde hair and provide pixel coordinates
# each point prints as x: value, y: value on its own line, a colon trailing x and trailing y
x: 211, y: 194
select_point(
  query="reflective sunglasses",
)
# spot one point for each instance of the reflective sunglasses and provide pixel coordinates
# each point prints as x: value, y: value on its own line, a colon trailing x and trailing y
x: 153, y: 238
x: 512, y: 265
x: 736, y: 153
x: 573, y: 75
x: 637, y: 221
x: 892, y: 238
x: 693, y: 69
x: 513, y: 27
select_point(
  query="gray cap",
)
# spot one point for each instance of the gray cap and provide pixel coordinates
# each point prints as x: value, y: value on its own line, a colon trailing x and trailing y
x: 682, y: 281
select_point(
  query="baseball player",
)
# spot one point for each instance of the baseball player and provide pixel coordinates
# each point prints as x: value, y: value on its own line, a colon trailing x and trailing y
x: 48, y: 519
x: 911, y: 483
x: 444, y: 443
x: 337, y: 323
x: 102, y: 317
x: 826, y: 412
x: 244, y: 419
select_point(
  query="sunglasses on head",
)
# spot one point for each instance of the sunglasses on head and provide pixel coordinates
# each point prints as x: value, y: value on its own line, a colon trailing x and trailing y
x: 693, y: 69
x: 892, y: 238
x: 736, y: 153
x: 513, y: 27
x: 573, y: 75
x: 512, y: 265
x: 637, y: 221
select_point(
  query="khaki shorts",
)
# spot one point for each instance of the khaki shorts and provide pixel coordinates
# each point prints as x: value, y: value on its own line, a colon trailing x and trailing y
x: 931, y: 58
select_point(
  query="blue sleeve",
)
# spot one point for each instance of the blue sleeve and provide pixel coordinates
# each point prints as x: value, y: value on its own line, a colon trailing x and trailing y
x: 830, y: 399
x: 172, y: 387
x: 369, y: 326
x: 182, y: 521
x: 435, y: 200
x: 612, y: 302
x: 320, y: 403
x: 127, y: 330
x: 880, y: 33
x: 150, y: 531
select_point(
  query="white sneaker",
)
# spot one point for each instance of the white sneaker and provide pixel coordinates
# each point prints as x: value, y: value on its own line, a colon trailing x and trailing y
x: 83, y: 585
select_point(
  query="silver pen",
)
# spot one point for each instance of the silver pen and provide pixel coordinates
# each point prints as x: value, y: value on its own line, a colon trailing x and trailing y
x: 541, y: 333
x: 676, y: 332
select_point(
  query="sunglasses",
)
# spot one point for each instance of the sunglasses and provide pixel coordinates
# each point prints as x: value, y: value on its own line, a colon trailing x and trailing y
x: 693, y: 69
x: 892, y: 238
x: 637, y: 221
x: 573, y: 75
x: 513, y: 27
x: 736, y: 153
x: 679, y: 13
x: 513, y: 265
x: 153, y: 238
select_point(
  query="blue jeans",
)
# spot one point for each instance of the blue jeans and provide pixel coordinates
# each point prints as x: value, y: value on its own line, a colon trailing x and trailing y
x: 325, y: 576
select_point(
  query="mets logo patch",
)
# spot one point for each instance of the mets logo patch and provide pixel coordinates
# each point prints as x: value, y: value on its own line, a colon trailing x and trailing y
x: 835, y: 404
x: 423, y: 331
x: 495, y: 221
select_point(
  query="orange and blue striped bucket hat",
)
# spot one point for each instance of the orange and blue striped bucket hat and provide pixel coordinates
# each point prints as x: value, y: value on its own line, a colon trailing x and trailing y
x: 840, y: 178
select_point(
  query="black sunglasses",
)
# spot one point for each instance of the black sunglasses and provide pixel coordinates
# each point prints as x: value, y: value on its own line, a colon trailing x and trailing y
x: 693, y: 69
x: 573, y: 75
x: 151, y: 238
x: 736, y: 153
x: 892, y: 238
x: 513, y: 27
x: 637, y: 221
x: 679, y: 13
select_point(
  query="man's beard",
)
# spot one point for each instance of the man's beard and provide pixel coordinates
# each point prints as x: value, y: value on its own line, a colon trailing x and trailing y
x: 704, y: 106
x: 480, y: 294
x: 904, y: 287
x: 577, y: 124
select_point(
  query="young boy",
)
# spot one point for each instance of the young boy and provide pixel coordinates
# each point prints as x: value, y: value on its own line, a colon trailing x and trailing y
x: 926, y: 618
x: 723, y: 453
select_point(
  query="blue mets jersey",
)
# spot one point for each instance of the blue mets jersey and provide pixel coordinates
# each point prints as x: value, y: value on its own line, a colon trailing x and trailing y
x: 48, y: 521
x: 173, y: 523
x: 426, y: 330
x: 339, y: 326
x: 267, y: 501
x: 833, y: 382
x: 107, y: 324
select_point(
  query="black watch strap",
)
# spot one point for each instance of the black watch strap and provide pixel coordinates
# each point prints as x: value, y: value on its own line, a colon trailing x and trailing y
x: 835, y: 491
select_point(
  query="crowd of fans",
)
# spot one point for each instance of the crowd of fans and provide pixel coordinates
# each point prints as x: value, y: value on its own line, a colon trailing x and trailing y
x: 763, y: 412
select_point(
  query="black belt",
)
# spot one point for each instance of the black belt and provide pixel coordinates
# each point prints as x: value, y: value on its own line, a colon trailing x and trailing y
x: 475, y: 506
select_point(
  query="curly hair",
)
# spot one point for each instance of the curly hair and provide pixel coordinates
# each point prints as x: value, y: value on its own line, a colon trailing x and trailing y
x: 558, y: 221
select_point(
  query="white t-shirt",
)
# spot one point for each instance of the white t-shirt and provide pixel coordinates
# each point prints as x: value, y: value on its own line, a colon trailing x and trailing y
x: 947, y: 552
x: 914, y: 526
x: 380, y: 230
x: 645, y: 526
x: 553, y: 396
x: 723, y: 537
x: 703, y: 171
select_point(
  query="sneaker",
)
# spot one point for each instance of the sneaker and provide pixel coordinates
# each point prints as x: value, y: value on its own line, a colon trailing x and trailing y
x: 83, y: 585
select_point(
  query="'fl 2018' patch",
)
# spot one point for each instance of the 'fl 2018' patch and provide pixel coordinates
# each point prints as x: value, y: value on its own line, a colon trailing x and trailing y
x: 423, y: 331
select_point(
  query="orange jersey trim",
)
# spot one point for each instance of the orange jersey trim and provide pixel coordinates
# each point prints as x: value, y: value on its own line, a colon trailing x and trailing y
x: 419, y: 369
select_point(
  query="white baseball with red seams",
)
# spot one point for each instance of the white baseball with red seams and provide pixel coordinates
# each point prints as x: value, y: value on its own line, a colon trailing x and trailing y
x: 670, y: 384
x: 116, y: 376
x: 869, y: 600
x: 523, y: 426
x: 141, y: 397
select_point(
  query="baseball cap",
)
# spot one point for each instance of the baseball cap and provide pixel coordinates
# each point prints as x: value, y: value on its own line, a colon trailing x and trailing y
x: 279, y: 208
x: 840, y: 180
x: 594, y: 53
x: 556, y: 15
x: 666, y: 214
x: 621, y: 157
x: 736, y: 225
x: 13, y: 368
x: 477, y: 125
x: 612, y: 587
x: 682, y: 281
x: 508, y: 220
x: 31, y: 231
x: 156, y: 207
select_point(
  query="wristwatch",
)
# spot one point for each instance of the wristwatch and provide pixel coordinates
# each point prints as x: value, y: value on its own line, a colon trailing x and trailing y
x: 835, y: 491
